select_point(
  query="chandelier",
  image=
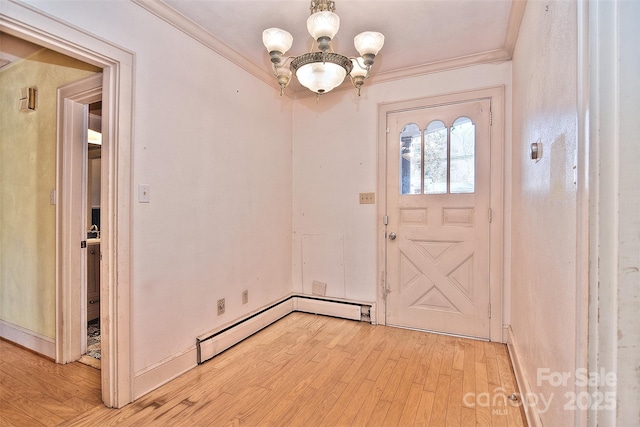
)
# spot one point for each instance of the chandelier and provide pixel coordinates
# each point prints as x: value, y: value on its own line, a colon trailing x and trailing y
x: 323, y: 70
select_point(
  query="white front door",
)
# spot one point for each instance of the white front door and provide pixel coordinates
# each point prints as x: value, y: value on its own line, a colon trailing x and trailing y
x: 438, y: 199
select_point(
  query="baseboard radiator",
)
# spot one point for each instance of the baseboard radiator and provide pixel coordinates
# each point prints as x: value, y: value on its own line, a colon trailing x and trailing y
x: 215, y: 342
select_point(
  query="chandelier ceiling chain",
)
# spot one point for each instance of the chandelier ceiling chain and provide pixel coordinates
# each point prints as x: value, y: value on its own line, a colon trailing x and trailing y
x: 323, y: 70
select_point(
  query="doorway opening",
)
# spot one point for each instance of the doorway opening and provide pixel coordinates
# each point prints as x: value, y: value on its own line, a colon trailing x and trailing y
x: 117, y: 66
x: 437, y: 203
x: 81, y: 192
x: 441, y: 234
x: 92, y: 346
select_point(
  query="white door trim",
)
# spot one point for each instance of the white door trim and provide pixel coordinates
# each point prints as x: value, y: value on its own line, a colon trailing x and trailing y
x: 71, y: 215
x: 496, y: 283
x: 26, y: 22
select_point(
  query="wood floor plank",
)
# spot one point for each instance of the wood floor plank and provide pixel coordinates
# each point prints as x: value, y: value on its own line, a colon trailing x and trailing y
x: 336, y: 394
x: 441, y: 401
x: 493, y: 374
x: 385, y: 346
x: 374, y: 397
x: 354, y: 377
x: 328, y: 368
x: 483, y: 410
x: 469, y: 374
x: 379, y: 414
x: 17, y: 415
x: 351, y: 410
x: 425, y: 408
x: 344, y: 328
x: 448, y: 345
x: 323, y: 400
x: 428, y: 343
x: 284, y: 398
x: 410, y: 408
x: 38, y: 382
x: 467, y: 416
x: 479, y: 347
x: 304, y: 370
x: 74, y: 377
x: 398, y: 405
x: 5, y: 423
x: 458, y: 356
x: 454, y: 407
x: 490, y: 349
x: 431, y: 381
x: 394, y: 382
x: 37, y: 412
x: 400, y: 336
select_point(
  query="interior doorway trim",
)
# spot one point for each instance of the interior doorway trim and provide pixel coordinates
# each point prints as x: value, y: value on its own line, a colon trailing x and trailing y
x: 73, y: 101
x: 31, y: 24
x: 496, y: 233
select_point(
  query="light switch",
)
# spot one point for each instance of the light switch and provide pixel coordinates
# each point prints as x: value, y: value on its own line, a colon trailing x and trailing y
x: 144, y: 193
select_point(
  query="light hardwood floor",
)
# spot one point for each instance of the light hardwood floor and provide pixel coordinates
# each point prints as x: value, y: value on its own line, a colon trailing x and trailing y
x: 304, y: 370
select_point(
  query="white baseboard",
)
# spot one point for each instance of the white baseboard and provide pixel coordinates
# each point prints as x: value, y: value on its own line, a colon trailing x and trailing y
x: 28, y: 339
x: 215, y: 342
x: 162, y: 372
x: 328, y: 308
x: 533, y: 419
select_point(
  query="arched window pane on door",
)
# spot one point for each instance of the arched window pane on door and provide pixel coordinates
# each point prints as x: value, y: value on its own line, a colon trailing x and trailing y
x: 410, y: 159
x: 463, y: 156
x: 435, y: 158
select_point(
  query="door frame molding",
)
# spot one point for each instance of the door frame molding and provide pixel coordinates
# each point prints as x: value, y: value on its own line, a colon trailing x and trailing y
x: 31, y: 24
x: 496, y: 202
x: 71, y: 215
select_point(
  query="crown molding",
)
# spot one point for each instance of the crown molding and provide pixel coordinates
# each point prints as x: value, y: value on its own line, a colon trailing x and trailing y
x: 494, y: 56
x: 513, y: 26
x: 168, y: 14
x: 499, y: 55
x: 190, y: 28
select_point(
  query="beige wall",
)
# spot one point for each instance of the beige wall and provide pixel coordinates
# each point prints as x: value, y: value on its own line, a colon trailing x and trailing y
x: 214, y: 144
x: 543, y: 316
x: 27, y: 176
x: 335, y: 158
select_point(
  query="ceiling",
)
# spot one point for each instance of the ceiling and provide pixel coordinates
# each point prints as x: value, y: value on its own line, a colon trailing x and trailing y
x: 421, y: 36
x: 13, y: 49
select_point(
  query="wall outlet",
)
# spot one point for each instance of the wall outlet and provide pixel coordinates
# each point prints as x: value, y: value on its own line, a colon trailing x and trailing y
x: 245, y: 297
x: 220, y: 306
x: 367, y: 198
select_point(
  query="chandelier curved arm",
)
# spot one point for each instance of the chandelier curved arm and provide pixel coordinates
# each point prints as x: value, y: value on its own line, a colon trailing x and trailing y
x: 359, y: 72
x: 284, y: 62
x: 362, y: 63
x: 282, y: 72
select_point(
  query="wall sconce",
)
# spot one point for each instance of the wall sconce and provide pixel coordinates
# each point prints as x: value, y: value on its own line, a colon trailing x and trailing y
x: 535, y: 151
x: 28, y: 98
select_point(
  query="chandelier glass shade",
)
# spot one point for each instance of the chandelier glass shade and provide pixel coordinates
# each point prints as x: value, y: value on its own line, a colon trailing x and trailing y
x: 323, y: 70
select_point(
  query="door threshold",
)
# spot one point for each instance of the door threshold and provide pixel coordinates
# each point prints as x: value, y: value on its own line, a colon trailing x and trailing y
x: 431, y: 331
x: 90, y: 361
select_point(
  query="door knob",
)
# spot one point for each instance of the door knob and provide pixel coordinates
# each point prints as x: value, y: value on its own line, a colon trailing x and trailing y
x: 392, y: 236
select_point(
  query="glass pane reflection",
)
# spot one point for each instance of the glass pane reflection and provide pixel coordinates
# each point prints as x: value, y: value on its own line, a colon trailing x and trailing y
x: 463, y: 156
x: 410, y: 159
x: 435, y: 158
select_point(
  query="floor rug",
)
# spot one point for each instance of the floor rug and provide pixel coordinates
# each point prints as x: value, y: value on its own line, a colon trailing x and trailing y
x: 93, y: 339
